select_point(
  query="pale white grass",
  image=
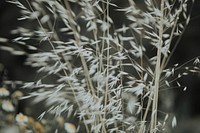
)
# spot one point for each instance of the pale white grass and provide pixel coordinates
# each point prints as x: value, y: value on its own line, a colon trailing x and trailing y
x: 105, y: 75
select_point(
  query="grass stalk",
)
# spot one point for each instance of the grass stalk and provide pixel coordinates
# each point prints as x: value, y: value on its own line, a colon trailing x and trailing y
x: 157, y: 73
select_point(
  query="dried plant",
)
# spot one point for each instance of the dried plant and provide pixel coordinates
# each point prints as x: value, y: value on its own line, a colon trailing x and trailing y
x: 108, y: 77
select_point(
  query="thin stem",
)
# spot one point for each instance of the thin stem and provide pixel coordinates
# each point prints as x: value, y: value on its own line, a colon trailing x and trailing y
x: 141, y: 130
x: 157, y: 73
x: 107, y: 68
x: 77, y: 39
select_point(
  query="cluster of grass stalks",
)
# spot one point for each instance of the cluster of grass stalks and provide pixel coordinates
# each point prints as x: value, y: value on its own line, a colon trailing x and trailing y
x: 106, y: 78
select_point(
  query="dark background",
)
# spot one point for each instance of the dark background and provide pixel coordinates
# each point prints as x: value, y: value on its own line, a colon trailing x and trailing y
x: 186, y: 103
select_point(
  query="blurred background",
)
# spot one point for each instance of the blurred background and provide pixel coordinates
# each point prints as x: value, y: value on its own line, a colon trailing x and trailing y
x: 186, y: 104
